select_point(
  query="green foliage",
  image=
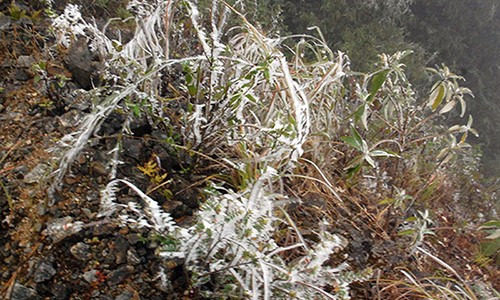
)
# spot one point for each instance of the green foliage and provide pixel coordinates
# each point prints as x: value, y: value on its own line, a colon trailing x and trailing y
x: 490, y: 246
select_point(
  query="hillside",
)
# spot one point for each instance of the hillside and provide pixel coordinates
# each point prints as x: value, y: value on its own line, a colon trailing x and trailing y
x: 171, y: 150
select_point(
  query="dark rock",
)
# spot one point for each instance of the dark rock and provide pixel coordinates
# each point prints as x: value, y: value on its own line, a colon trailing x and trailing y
x: 133, y: 149
x: 44, y: 272
x: 119, y: 275
x: 80, y: 63
x: 21, y: 75
x: 127, y: 295
x: 112, y: 124
x: 60, y: 291
x: 20, y: 292
x: 81, y: 251
x: 133, y: 238
x: 140, y: 127
x: 120, y: 246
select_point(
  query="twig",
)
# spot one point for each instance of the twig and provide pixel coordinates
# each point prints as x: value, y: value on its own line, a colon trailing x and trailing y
x: 10, y: 151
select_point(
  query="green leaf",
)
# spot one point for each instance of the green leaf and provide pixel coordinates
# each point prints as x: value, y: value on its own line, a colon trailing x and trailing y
x: 351, y: 171
x: 361, y: 114
x: 489, y: 248
x: 437, y: 97
x: 407, y: 232
x: 377, y: 82
x: 494, y: 223
x: 351, y: 141
x: 357, y: 137
x: 387, y: 201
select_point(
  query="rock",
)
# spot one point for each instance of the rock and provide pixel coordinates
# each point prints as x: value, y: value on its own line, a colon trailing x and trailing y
x: 80, y: 63
x: 5, y: 22
x: 133, y: 148
x: 127, y: 295
x: 60, y: 292
x: 133, y: 238
x: 81, y: 251
x: 132, y: 257
x: 20, y: 171
x: 25, y: 61
x: 37, y: 173
x: 20, y: 292
x: 119, y: 275
x: 90, y: 276
x: 21, y: 74
x: 44, y: 272
x: 120, y: 246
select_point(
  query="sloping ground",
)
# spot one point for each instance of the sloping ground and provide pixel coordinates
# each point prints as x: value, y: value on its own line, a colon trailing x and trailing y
x: 59, y: 247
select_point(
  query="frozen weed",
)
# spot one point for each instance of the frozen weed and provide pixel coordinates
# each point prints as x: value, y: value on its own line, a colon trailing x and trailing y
x: 280, y: 121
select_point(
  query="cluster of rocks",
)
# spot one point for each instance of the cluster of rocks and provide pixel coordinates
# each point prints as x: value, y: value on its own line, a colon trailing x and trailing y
x: 103, y: 260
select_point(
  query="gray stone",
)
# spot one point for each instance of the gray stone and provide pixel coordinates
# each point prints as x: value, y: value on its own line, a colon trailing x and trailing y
x: 5, y: 22
x: 25, y: 61
x: 20, y: 292
x: 90, y: 276
x: 133, y: 148
x: 21, y: 74
x: 127, y: 295
x: 44, y: 272
x: 79, y: 62
x: 121, y: 246
x: 81, y: 251
x: 119, y: 275
x: 37, y: 173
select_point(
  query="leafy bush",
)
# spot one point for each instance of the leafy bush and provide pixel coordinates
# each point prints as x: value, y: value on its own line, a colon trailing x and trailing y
x: 275, y: 129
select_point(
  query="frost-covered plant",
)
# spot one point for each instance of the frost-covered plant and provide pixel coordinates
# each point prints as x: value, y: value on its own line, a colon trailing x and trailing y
x: 258, y: 114
x: 244, y: 100
x: 132, y: 69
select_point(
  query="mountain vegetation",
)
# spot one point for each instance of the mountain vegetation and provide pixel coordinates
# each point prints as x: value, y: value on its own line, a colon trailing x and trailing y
x: 259, y: 164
